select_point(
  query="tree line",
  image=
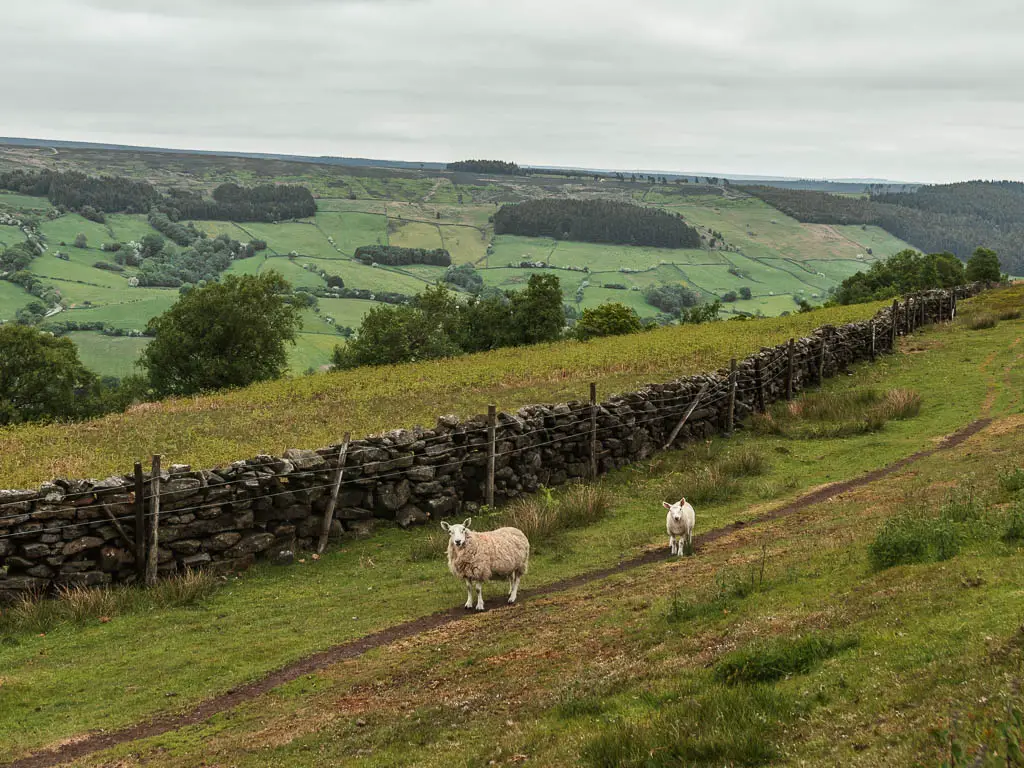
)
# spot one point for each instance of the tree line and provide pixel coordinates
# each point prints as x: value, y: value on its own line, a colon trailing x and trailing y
x: 596, y: 221
x: 396, y: 256
x: 951, y: 218
x: 909, y: 271
x: 94, y: 196
x: 485, y: 166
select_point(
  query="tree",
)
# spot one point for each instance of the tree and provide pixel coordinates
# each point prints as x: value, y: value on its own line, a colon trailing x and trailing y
x: 41, y: 377
x: 730, y: 296
x: 610, y: 319
x: 983, y: 265
x: 400, y: 334
x: 537, y: 313
x: 227, y: 334
x: 81, y: 241
x: 745, y: 293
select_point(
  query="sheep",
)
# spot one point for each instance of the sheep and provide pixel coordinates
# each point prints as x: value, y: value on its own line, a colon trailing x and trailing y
x: 477, y: 556
x: 679, y: 523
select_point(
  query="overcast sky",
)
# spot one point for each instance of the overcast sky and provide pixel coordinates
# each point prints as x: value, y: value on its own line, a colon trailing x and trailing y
x: 928, y: 90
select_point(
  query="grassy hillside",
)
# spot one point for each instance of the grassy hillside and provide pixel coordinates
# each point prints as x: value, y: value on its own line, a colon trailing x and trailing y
x: 315, y: 410
x: 777, y: 643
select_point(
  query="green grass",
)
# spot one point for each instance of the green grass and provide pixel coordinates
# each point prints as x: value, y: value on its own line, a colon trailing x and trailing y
x: 107, y: 355
x: 132, y: 312
x: 12, y: 298
x: 10, y: 235
x: 65, y: 228
x: 352, y: 229
x: 934, y: 639
x: 768, y: 662
x: 25, y: 202
x: 125, y: 227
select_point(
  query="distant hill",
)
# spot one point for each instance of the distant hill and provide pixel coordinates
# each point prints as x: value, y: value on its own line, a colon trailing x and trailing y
x: 943, y: 217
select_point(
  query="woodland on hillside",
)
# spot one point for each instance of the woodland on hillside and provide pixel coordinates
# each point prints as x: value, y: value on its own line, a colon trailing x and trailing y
x: 956, y: 218
x: 94, y: 196
x: 596, y: 221
x: 485, y: 166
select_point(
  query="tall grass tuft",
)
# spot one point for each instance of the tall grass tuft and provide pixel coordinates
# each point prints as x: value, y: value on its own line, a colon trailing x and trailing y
x: 773, y: 660
x: 829, y: 415
x: 912, y: 537
x: 1014, y: 531
x: 1011, y: 479
x: 979, y: 321
x: 37, y: 613
x: 542, y: 516
x: 708, y: 724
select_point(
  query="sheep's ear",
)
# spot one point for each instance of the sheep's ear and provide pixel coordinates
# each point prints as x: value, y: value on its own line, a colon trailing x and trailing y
x: 682, y: 500
x: 666, y: 505
x: 468, y: 521
x: 445, y: 525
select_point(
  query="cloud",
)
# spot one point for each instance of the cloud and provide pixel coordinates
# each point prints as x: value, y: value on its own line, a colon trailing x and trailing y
x: 909, y: 90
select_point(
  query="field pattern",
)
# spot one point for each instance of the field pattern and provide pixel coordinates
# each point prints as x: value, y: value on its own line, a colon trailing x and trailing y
x: 778, y: 258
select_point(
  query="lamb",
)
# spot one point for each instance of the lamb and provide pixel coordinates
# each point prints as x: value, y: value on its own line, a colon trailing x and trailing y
x: 679, y: 523
x: 477, y: 556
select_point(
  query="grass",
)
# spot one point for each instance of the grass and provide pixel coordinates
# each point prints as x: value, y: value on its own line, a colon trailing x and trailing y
x: 780, y: 658
x: 461, y: 685
x: 312, y: 411
x: 82, y: 606
x: 108, y: 355
x: 821, y: 415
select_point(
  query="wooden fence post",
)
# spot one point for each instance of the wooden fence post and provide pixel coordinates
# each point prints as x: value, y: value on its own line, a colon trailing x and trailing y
x: 871, y: 327
x: 682, y: 421
x: 491, y: 420
x: 952, y: 308
x: 140, y: 523
x: 789, y: 369
x: 153, y: 539
x: 325, y: 526
x: 593, y: 430
x: 895, y: 327
x: 924, y: 312
x: 760, y: 384
x: 733, y: 375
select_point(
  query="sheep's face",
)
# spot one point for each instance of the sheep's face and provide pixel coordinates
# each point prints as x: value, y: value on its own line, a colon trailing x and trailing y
x: 675, y: 511
x: 457, y: 534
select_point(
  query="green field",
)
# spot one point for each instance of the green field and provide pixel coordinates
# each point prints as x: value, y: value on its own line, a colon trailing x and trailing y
x: 24, y: 202
x: 108, y: 355
x: 10, y: 235
x: 777, y: 257
x: 12, y: 298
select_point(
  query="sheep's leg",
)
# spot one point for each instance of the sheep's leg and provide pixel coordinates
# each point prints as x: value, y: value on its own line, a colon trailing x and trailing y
x: 479, y: 595
x: 469, y: 593
x: 672, y: 544
x: 515, y: 587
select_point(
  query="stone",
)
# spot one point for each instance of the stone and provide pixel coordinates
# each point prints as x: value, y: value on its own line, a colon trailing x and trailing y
x: 428, y: 489
x: 251, y: 544
x: 283, y: 557
x: 185, y: 546
x: 410, y: 515
x: 360, y: 528
x: 222, y: 541
x: 305, y: 460
x: 197, y: 560
x: 392, y: 496
x: 420, y: 474
x: 37, y: 550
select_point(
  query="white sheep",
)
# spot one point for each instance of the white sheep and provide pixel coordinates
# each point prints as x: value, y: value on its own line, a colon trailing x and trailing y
x: 679, y: 523
x: 478, y: 556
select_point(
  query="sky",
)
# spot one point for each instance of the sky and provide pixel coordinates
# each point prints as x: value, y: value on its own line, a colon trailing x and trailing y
x: 911, y: 90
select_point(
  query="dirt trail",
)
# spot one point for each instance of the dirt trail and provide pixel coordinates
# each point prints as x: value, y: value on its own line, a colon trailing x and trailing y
x: 88, y: 744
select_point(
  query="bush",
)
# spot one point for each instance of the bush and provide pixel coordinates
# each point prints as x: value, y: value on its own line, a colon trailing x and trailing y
x: 773, y: 660
x: 1011, y: 479
x: 745, y: 293
x: 913, y: 538
x: 729, y: 297
x: 1014, y: 531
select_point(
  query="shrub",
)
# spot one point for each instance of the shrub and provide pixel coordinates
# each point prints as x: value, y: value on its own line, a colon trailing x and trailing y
x: 1011, y: 479
x: 1014, y: 531
x: 913, y: 538
x: 773, y: 660
x: 745, y: 462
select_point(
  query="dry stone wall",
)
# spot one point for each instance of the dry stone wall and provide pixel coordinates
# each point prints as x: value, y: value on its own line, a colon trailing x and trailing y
x: 82, y: 532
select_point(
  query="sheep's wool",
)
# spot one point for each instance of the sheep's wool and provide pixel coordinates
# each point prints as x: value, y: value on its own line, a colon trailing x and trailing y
x: 495, y: 554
